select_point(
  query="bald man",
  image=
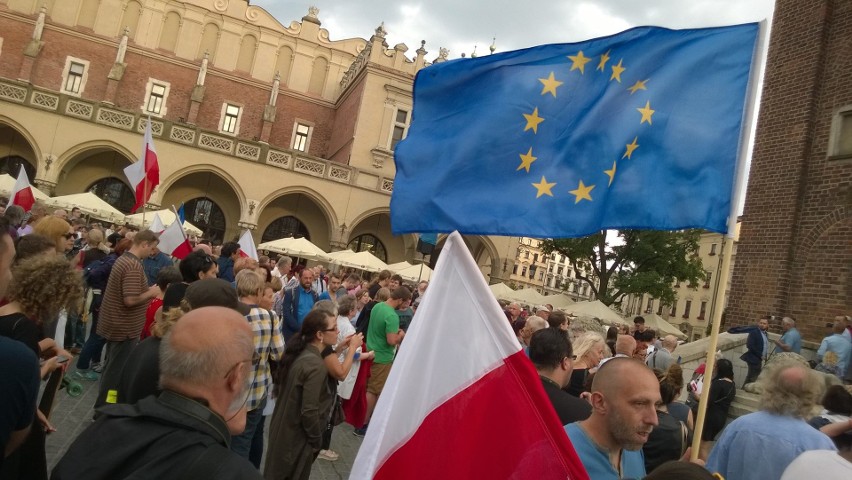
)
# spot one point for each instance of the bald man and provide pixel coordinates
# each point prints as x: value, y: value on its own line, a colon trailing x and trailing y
x: 625, y: 395
x: 662, y: 358
x: 205, y: 365
x: 625, y: 345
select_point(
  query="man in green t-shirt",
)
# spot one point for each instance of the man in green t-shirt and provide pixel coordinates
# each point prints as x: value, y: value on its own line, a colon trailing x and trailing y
x: 383, y: 335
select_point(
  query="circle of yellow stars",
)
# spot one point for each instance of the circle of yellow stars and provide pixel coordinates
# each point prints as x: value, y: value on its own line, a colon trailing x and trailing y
x: 550, y: 85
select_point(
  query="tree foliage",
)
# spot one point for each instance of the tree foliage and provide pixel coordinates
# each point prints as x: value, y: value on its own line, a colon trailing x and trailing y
x: 643, y: 262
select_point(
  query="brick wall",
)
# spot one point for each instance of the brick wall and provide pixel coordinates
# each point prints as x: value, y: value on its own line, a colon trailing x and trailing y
x: 795, y: 253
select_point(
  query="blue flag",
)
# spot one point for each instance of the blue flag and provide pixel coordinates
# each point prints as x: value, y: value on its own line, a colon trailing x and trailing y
x: 181, y: 213
x: 636, y: 130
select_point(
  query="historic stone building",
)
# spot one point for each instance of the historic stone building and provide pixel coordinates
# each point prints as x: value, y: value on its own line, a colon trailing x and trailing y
x: 795, y: 251
x: 258, y: 125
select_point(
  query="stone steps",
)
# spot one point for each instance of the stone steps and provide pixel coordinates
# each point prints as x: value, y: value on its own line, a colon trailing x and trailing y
x: 743, y: 404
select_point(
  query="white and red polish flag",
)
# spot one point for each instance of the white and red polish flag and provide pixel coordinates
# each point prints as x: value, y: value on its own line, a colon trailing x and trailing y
x: 462, y: 399
x: 173, y: 241
x: 144, y: 175
x: 247, y: 247
x: 22, y: 192
x: 157, y: 224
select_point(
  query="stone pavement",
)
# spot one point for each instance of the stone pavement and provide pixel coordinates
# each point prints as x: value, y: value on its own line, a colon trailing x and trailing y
x: 72, y: 415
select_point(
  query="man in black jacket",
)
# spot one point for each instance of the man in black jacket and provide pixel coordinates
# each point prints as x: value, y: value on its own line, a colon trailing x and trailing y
x: 551, y: 353
x: 205, y: 365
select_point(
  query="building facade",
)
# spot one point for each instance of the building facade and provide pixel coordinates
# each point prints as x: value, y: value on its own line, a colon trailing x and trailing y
x: 258, y: 125
x: 795, y: 251
x: 547, y: 274
x: 694, y: 306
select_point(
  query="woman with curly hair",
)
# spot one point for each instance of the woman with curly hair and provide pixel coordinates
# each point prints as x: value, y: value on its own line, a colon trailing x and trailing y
x: 40, y: 288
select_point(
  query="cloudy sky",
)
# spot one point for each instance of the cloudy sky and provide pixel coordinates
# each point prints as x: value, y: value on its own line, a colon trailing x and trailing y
x: 462, y: 24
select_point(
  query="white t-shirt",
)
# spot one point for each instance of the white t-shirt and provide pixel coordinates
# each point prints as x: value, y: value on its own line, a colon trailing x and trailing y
x: 828, y: 463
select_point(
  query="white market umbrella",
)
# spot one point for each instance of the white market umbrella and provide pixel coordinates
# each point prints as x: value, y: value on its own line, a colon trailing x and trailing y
x: 90, y: 204
x: 559, y: 301
x: 7, y: 186
x: 358, y: 260
x: 661, y: 326
x: 503, y: 291
x: 416, y: 273
x: 596, y: 309
x: 296, y: 247
x: 396, y: 267
x: 166, y: 216
x: 530, y: 296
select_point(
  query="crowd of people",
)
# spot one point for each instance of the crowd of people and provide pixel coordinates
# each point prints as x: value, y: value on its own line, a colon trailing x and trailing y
x: 195, y: 359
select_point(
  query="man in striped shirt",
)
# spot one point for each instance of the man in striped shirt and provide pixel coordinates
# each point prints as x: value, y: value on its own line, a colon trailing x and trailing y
x: 122, y: 314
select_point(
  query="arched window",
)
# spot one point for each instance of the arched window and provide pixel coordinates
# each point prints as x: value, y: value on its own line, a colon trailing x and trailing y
x: 369, y: 243
x: 114, y: 192
x: 207, y: 216
x: 284, y: 227
x: 12, y: 166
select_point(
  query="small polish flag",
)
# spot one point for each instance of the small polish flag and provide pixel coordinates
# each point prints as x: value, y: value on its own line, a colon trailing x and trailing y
x: 144, y: 175
x: 469, y: 406
x: 173, y: 241
x: 22, y: 193
x: 247, y: 248
x: 157, y: 224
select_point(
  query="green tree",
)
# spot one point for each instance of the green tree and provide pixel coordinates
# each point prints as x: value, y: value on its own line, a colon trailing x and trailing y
x: 643, y: 262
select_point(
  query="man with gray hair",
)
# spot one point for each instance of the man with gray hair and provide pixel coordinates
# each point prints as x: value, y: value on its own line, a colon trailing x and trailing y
x: 205, y: 372
x: 764, y: 443
x: 791, y: 339
x: 534, y: 324
x: 662, y: 357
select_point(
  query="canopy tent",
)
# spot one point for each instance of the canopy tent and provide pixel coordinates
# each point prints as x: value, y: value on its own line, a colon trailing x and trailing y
x: 502, y: 291
x: 559, y: 301
x: 530, y: 296
x: 167, y: 216
x: 661, y: 326
x: 396, y: 267
x: 596, y: 309
x: 296, y: 247
x: 359, y: 260
x: 7, y: 185
x: 90, y: 204
x: 416, y: 273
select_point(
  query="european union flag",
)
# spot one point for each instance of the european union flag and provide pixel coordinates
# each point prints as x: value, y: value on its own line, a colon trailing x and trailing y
x: 181, y: 213
x: 636, y: 130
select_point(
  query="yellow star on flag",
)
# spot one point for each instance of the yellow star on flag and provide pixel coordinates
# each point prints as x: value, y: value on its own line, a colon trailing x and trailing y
x: 550, y: 85
x: 617, y: 70
x: 579, y: 61
x: 604, y: 59
x: 582, y: 192
x: 646, y: 113
x: 631, y: 147
x: 639, y: 85
x: 609, y: 173
x: 533, y: 120
x: 543, y: 188
x: 526, y: 161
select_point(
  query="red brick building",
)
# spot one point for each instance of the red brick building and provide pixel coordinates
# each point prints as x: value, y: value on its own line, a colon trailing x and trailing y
x: 795, y: 251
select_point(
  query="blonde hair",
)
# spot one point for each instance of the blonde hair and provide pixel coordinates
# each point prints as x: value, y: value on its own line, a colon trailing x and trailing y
x: 96, y: 238
x: 249, y: 283
x: 585, y: 343
x: 167, y: 320
x: 53, y: 228
x: 382, y: 294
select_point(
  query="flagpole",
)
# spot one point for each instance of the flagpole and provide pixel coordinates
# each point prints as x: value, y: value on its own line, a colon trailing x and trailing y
x: 728, y: 240
x: 177, y: 219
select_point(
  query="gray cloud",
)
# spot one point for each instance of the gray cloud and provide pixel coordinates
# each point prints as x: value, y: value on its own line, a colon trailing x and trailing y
x: 461, y: 25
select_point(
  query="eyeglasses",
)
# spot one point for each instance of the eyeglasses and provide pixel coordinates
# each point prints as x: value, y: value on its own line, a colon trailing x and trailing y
x: 68, y: 236
x: 331, y: 329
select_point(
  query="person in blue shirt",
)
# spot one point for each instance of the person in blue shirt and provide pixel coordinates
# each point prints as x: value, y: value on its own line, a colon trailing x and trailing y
x: 298, y: 301
x: 230, y: 253
x: 764, y: 443
x: 835, y: 350
x: 154, y: 263
x: 625, y: 396
x: 791, y: 339
x: 335, y: 290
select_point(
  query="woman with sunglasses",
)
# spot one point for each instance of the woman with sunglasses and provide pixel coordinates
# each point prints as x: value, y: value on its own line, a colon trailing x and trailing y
x: 304, y: 399
x: 57, y: 230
